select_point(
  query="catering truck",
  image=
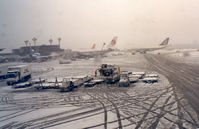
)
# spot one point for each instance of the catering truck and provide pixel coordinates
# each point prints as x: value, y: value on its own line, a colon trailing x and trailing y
x: 3, y: 72
x: 16, y: 74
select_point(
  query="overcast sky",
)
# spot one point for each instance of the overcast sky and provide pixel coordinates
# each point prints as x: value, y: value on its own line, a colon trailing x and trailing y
x: 80, y: 23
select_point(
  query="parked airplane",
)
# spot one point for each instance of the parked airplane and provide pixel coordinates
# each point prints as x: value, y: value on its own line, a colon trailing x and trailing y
x: 93, y: 52
x: 164, y: 44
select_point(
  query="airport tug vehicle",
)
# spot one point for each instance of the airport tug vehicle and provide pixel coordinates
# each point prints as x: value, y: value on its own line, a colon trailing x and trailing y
x: 124, y: 79
x: 109, y: 73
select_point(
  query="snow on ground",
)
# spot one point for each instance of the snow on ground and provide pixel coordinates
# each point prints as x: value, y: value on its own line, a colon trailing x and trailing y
x: 140, y: 105
x: 187, y: 57
x: 182, y: 55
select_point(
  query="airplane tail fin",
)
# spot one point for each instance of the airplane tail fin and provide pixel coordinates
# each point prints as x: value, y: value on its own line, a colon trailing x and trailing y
x: 165, y: 42
x: 112, y: 43
x: 93, y: 47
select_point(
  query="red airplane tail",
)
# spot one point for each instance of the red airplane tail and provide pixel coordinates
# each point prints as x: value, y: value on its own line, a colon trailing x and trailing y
x: 93, y: 47
x: 113, y: 41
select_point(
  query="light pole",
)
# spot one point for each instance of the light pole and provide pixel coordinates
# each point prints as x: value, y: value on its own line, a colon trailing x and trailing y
x: 59, y: 40
x: 26, y: 42
x: 34, y: 40
x: 50, y: 41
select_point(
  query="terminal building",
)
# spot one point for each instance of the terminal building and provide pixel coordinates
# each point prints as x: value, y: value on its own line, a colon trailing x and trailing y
x: 44, y: 50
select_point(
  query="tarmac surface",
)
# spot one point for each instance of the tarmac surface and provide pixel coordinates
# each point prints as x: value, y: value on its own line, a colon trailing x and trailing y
x: 182, y: 76
x: 162, y: 105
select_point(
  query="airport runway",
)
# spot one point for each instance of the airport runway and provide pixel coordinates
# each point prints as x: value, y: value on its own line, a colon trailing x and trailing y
x: 183, y: 77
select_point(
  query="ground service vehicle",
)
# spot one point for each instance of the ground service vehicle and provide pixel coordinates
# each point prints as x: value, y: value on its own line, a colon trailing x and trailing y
x: 89, y: 84
x: 133, y: 78
x: 109, y: 73
x: 124, y: 79
x: 16, y: 74
x: 67, y: 85
x: 150, y: 80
